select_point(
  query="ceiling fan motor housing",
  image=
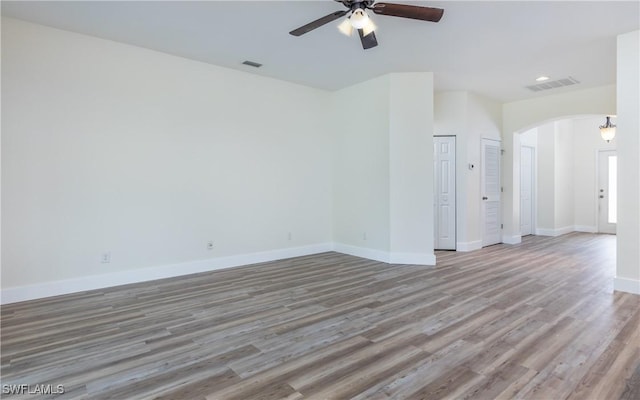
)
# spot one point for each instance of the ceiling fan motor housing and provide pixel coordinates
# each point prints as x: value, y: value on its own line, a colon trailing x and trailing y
x: 359, y: 17
x: 354, y: 5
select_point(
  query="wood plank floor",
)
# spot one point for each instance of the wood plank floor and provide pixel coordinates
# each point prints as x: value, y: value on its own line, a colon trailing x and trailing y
x: 537, y: 320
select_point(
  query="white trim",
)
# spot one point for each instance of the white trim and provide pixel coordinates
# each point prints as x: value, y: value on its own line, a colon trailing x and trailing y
x: 534, y: 192
x: 364, y: 252
x: 469, y: 246
x: 412, y: 258
x: 566, y: 229
x: 75, y: 285
x: 554, y: 232
x: 384, y: 256
x: 585, y: 228
x: 626, y: 285
x: 514, y: 239
x: 56, y: 288
x: 545, y: 232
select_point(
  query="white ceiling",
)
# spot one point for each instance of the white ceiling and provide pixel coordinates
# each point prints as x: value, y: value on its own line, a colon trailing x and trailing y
x: 491, y: 48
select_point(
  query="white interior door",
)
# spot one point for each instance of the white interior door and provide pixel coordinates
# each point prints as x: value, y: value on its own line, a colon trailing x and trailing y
x: 490, y: 188
x: 445, y: 192
x: 526, y: 191
x: 607, y: 191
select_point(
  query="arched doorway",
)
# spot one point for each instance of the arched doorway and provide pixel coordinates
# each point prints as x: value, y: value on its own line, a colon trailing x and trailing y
x: 561, y: 189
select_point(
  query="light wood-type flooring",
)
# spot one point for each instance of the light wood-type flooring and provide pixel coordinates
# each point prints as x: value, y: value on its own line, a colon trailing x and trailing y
x: 537, y: 320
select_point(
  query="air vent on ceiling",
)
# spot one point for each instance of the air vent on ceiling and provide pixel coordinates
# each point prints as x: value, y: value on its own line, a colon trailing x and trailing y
x: 252, y: 64
x: 553, y: 84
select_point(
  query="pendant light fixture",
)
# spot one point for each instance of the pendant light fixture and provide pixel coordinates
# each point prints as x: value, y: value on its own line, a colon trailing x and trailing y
x: 608, y: 130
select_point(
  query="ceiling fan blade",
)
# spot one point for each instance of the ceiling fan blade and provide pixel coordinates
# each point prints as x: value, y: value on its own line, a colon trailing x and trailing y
x: 407, y: 11
x: 318, y: 23
x: 368, y: 41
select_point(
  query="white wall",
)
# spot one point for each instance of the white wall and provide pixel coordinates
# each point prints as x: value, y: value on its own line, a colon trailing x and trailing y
x: 450, y: 111
x: 564, y: 196
x: 411, y: 168
x: 628, y: 137
x: 383, y: 169
x: 110, y: 147
x: 529, y: 138
x: 546, y: 194
x: 470, y: 118
x: 361, y: 166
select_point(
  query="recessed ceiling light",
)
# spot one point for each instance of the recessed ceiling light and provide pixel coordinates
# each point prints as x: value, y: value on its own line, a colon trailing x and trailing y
x: 542, y: 78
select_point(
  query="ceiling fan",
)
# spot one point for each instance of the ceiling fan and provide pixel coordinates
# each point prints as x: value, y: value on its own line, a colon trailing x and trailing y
x: 360, y: 21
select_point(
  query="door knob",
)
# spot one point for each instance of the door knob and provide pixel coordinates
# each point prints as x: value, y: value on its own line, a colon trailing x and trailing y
x: 601, y: 196
x: 485, y: 198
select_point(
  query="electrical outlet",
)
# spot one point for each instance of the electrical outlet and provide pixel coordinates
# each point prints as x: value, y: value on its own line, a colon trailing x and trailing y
x: 210, y: 245
x: 105, y: 257
x: 364, y: 236
x: 289, y: 236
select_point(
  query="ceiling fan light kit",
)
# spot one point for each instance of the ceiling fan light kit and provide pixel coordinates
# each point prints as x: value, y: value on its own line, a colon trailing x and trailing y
x: 359, y: 18
x: 360, y: 21
x: 346, y: 27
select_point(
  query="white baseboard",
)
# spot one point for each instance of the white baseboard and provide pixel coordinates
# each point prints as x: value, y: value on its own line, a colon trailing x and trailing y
x: 384, y: 256
x: 585, y: 228
x: 469, y: 246
x: 626, y: 285
x: 545, y: 232
x: 55, y: 288
x: 566, y: 229
x: 67, y: 286
x: 514, y: 239
x: 554, y: 232
x: 364, y: 252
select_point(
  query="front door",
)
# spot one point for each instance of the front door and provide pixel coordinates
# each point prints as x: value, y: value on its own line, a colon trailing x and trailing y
x: 607, y: 191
